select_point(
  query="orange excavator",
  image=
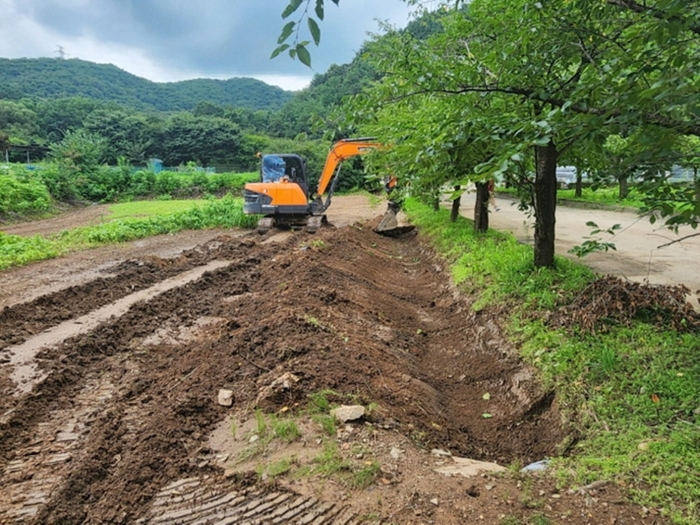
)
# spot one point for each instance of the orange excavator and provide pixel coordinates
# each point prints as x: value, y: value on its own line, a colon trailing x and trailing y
x: 283, y: 198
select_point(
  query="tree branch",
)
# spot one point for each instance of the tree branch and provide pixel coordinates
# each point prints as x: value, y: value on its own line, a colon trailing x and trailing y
x: 679, y: 240
x: 656, y: 13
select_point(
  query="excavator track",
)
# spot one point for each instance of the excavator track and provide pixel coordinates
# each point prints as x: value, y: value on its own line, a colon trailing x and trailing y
x: 265, y: 225
x: 310, y: 223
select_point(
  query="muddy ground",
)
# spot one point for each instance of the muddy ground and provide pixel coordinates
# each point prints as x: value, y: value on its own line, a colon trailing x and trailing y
x: 111, y: 370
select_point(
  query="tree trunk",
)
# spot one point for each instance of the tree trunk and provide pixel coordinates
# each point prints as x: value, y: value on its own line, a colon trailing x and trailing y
x: 481, y: 208
x: 455, y: 206
x: 624, y: 188
x: 579, y: 185
x: 696, y: 182
x: 435, y: 198
x: 545, y: 204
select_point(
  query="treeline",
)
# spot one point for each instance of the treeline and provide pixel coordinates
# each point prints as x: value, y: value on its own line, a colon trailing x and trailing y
x: 208, y: 135
x: 49, y: 78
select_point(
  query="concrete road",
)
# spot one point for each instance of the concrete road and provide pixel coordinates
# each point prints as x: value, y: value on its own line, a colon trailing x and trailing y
x: 638, y: 256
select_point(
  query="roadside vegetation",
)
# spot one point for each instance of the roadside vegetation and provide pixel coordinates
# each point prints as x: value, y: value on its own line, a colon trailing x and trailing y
x: 629, y: 390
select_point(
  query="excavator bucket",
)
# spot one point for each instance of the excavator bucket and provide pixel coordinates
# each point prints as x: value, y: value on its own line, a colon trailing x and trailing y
x: 388, y: 222
x: 389, y: 225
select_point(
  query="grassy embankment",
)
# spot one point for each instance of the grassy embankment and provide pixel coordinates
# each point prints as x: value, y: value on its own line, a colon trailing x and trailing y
x: 631, y: 392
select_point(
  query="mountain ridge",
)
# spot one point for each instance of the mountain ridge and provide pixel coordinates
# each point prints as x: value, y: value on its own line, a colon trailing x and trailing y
x: 52, y: 78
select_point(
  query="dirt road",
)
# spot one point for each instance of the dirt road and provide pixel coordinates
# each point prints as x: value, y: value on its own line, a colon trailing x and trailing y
x: 638, y: 256
x: 111, y: 364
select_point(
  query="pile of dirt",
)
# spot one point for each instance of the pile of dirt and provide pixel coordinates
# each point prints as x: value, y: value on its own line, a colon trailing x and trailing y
x: 126, y: 409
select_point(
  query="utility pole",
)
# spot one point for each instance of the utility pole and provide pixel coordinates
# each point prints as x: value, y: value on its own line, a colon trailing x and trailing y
x: 61, y: 52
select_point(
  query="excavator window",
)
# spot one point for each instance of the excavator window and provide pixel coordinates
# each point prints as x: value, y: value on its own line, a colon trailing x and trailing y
x: 294, y: 170
x: 273, y: 168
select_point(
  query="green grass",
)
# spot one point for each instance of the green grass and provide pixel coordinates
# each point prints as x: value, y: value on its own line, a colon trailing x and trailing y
x: 633, y: 393
x: 606, y: 196
x: 135, y: 209
x: 494, y: 266
x: 222, y: 213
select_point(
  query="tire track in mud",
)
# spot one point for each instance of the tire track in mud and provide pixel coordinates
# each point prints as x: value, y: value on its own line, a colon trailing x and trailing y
x: 21, y: 321
x: 42, y: 465
x: 25, y: 373
x: 193, y: 501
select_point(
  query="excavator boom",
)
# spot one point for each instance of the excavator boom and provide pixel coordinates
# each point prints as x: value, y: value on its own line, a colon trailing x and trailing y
x: 341, y: 150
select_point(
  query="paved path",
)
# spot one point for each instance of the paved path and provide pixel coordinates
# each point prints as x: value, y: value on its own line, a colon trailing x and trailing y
x: 638, y: 256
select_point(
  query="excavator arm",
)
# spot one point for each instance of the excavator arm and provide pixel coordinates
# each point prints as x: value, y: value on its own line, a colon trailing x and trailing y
x: 341, y: 150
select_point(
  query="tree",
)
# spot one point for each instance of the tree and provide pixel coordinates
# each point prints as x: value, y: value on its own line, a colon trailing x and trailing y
x: 128, y: 134
x: 202, y: 139
x: 18, y: 121
x: 56, y: 117
x: 78, y: 158
x: 4, y: 144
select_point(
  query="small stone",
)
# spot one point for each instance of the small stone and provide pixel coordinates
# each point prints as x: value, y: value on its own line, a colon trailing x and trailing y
x: 395, y: 453
x: 556, y: 496
x: 439, y: 453
x: 253, y: 438
x: 435, y: 501
x: 277, y: 392
x: 347, y: 413
x: 225, y: 397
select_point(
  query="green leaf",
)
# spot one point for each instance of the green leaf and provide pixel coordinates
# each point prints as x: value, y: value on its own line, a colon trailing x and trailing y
x: 303, y: 54
x: 319, y: 9
x: 286, y: 31
x: 279, y: 50
x: 315, y: 30
x: 293, y: 6
x: 486, y: 396
x: 486, y: 415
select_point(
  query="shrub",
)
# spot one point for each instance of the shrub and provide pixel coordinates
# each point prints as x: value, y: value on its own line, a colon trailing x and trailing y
x: 22, y: 196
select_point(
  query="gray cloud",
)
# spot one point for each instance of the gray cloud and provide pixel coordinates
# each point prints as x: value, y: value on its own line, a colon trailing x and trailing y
x: 220, y: 38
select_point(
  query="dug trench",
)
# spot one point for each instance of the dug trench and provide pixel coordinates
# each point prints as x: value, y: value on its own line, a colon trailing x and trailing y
x: 120, y: 418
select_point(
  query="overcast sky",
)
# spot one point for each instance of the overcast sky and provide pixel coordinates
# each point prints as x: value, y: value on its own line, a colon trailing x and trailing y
x: 169, y: 40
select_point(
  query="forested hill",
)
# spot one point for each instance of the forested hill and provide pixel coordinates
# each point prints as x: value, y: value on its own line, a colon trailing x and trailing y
x: 55, y: 78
